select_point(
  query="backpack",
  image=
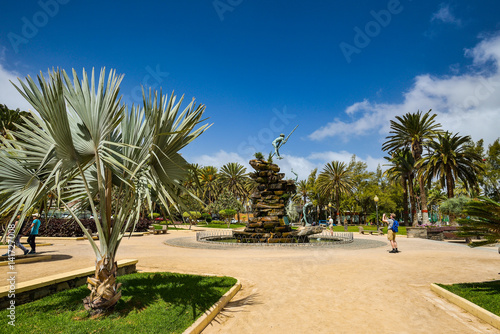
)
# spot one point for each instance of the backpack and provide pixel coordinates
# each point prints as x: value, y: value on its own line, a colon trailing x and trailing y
x: 395, y: 226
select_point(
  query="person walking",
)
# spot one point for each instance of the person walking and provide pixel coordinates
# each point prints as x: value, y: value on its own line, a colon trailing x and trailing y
x: 391, y: 235
x: 330, y: 224
x: 35, y: 225
x: 17, y: 242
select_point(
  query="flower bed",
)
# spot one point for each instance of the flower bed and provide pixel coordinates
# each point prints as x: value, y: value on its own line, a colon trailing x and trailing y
x: 70, y: 228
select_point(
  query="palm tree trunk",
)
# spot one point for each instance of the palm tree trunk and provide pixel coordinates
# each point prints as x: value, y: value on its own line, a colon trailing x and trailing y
x: 104, y: 290
x: 413, y: 202
x: 450, y: 184
x: 406, y: 217
x: 423, y: 201
x: 417, y: 154
x: 337, y: 202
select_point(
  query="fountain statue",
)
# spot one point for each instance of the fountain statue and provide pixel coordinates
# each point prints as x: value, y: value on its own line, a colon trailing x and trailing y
x: 280, y: 141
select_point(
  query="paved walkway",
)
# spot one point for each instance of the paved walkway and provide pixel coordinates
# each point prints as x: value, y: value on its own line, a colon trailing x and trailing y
x: 338, y: 290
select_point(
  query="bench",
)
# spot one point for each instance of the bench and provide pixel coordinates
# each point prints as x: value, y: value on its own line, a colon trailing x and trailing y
x: 157, y: 228
x: 377, y: 232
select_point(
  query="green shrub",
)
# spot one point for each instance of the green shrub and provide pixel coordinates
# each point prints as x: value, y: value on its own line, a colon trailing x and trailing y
x: 192, y: 215
x: 218, y: 222
x: 154, y: 215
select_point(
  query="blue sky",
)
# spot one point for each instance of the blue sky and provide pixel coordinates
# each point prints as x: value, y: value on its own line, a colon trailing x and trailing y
x: 339, y: 70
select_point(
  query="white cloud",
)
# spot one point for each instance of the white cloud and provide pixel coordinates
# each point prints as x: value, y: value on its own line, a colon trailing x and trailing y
x: 468, y: 103
x: 344, y: 156
x: 300, y: 165
x: 444, y: 15
x: 219, y: 159
x: 8, y: 93
x: 357, y: 107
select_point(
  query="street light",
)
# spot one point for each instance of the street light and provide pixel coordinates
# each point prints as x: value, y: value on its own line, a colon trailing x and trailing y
x: 376, y: 206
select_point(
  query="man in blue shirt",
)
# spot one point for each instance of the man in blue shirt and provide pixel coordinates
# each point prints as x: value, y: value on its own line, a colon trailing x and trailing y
x: 33, y: 233
x: 391, y: 235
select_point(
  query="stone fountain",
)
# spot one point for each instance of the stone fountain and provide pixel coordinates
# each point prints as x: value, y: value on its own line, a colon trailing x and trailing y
x: 269, y: 201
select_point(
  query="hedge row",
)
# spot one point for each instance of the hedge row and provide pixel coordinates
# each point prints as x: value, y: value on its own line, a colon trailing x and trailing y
x: 70, y: 228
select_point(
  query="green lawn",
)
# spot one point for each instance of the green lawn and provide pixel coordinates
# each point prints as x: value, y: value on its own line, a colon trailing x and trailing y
x: 484, y: 294
x: 401, y: 230
x: 150, y: 303
x: 211, y: 225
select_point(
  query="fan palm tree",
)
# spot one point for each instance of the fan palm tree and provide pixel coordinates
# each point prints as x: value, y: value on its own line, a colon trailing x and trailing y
x: 413, y: 131
x: 336, y: 180
x: 85, y: 145
x: 449, y: 160
x: 193, y: 188
x: 401, y: 169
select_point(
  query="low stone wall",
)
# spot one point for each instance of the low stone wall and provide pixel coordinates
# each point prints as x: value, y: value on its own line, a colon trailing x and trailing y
x: 434, y: 233
x: 29, y: 291
x: 416, y: 232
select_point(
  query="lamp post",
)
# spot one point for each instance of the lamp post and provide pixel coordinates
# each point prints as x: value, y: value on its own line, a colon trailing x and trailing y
x: 376, y: 206
x: 330, y: 208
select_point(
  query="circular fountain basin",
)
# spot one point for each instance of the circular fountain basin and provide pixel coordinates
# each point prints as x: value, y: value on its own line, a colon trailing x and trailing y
x: 323, y: 239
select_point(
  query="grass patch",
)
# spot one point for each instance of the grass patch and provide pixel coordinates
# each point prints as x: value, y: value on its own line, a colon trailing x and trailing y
x: 401, y: 230
x: 211, y: 225
x: 483, y: 294
x: 150, y: 303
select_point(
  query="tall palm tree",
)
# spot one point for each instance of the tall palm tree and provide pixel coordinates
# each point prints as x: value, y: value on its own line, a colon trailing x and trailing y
x: 209, y: 179
x: 336, y: 180
x: 449, y: 160
x: 413, y: 131
x: 303, y: 191
x: 401, y: 169
x: 233, y: 177
x: 87, y: 145
x: 313, y: 193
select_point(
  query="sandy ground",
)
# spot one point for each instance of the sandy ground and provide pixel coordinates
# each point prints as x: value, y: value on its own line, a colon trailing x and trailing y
x: 312, y: 290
